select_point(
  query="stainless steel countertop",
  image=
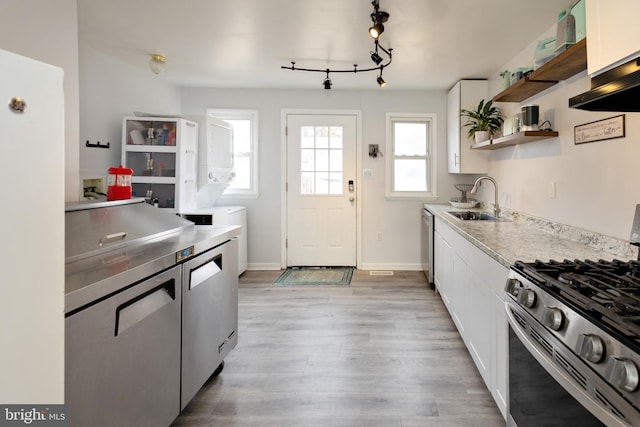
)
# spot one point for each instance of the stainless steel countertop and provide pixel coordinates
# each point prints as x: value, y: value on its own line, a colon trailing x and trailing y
x: 89, y: 279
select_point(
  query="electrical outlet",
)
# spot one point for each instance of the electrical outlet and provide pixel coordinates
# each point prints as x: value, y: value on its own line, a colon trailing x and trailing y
x: 379, y: 236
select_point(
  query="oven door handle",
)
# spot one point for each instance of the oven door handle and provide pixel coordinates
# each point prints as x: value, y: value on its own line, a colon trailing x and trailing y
x: 568, y: 383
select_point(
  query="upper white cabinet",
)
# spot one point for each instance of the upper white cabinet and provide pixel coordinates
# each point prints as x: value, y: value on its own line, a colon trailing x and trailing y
x: 461, y: 158
x: 163, y: 153
x: 613, y: 33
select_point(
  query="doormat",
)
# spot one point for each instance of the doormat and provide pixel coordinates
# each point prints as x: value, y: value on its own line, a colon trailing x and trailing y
x: 315, y: 276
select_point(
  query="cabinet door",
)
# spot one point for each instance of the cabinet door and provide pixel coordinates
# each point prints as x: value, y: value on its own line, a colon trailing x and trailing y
x: 466, y: 94
x: 480, y: 325
x: 500, y: 342
x: 442, y: 268
x: 187, y: 188
x: 613, y: 34
x: 459, y: 281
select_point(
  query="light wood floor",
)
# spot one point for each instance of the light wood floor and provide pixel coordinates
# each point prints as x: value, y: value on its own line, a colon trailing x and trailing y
x: 381, y: 352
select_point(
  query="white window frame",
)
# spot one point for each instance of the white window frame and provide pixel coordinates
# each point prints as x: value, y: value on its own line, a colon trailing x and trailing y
x: 431, y: 119
x: 252, y: 116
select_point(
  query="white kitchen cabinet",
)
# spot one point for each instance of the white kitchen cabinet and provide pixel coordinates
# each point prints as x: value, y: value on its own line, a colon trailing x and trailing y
x: 234, y: 215
x: 500, y: 338
x: 471, y: 284
x: 163, y: 153
x: 613, y: 34
x: 461, y: 158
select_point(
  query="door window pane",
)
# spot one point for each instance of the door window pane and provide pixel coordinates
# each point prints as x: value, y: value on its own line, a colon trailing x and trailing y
x: 321, y: 160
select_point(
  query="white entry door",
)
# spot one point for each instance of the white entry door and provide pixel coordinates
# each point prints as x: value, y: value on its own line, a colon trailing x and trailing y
x: 321, y: 190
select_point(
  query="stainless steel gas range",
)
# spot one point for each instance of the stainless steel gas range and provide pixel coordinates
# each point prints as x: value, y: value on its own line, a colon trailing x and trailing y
x: 574, y: 343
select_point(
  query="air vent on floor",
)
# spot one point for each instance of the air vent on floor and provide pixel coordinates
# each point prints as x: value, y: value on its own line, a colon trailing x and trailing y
x: 380, y: 273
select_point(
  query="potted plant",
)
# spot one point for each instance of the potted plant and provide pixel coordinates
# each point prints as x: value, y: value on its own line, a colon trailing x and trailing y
x: 484, y: 121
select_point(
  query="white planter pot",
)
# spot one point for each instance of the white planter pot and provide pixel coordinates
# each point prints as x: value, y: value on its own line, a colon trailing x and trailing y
x: 481, y: 136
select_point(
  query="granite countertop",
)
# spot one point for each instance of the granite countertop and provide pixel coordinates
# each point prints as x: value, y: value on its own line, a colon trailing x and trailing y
x: 526, y: 238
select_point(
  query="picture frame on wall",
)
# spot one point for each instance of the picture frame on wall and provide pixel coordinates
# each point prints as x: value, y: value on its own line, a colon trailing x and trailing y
x: 600, y: 130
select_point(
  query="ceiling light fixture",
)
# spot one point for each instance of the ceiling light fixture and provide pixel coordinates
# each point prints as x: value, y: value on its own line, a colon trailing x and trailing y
x: 327, y: 82
x: 157, y: 62
x: 378, y: 17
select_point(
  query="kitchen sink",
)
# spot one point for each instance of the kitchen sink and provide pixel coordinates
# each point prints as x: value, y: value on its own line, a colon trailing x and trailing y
x: 473, y: 216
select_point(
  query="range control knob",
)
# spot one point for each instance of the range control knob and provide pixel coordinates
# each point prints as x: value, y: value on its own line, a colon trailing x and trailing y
x: 527, y: 297
x: 513, y: 286
x: 590, y: 347
x: 552, y: 318
x: 622, y: 373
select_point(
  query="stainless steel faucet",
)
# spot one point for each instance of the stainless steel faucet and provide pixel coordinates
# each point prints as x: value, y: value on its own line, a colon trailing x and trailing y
x: 474, y: 190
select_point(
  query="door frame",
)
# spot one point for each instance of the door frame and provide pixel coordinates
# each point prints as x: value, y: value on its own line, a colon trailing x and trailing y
x: 284, y: 169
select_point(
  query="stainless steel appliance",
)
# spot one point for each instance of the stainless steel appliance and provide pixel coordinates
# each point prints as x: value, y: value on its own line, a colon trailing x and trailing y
x: 124, y: 309
x: 209, y: 316
x: 427, y: 245
x: 530, y: 117
x: 614, y: 90
x: 574, y: 343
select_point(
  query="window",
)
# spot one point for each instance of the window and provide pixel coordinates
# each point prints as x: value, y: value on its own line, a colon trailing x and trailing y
x: 321, y: 160
x: 245, y: 150
x: 410, y: 147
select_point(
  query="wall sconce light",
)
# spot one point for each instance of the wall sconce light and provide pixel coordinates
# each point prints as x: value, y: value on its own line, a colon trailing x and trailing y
x: 157, y: 63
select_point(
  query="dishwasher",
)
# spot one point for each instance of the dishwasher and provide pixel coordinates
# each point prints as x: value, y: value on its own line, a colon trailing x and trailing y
x: 427, y: 245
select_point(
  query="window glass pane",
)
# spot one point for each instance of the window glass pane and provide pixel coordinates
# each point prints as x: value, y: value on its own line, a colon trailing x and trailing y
x: 335, y: 160
x: 306, y: 183
x: 322, y: 160
x: 322, y: 182
x: 335, y: 133
x: 410, y: 139
x: 410, y: 175
x: 242, y: 168
x: 335, y: 184
x: 307, y: 160
x: 241, y: 135
x: 307, y: 137
x: 322, y: 137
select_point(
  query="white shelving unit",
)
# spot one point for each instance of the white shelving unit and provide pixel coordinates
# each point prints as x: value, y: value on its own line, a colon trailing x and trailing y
x: 163, y: 153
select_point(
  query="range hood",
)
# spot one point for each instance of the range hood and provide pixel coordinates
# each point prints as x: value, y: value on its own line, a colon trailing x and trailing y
x: 615, y: 90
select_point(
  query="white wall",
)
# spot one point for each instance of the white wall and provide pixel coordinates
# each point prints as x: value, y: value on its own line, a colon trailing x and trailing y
x: 398, y: 221
x: 597, y: 183
x: 112, y: 89
x: 48, y: 31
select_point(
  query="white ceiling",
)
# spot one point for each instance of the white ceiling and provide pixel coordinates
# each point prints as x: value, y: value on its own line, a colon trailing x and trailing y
x: 243, y: 43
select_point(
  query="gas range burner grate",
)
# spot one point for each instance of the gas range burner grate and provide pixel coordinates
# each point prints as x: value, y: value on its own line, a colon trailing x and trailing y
x: 608, y: 291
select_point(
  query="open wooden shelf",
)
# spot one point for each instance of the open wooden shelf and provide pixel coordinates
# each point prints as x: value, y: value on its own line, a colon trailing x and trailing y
x: 513, y: 139
x: 565, y: 65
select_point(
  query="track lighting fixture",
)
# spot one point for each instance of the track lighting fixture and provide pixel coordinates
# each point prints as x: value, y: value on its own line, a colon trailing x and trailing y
x: 327, y: 82
x: 378, y: 17
x: 157, y: 63
x: 380, y: 80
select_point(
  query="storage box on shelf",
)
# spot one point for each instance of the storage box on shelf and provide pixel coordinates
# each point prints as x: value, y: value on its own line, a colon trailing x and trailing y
x: 163, y: 155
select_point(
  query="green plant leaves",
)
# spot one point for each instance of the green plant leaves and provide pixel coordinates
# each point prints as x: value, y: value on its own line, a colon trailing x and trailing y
x: 486, y: 117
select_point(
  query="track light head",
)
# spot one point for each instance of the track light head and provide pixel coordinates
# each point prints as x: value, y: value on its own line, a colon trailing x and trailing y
x: 376, y: 30
x: 381, y: 81
x: 377, y: 59
x: 327, y: 82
